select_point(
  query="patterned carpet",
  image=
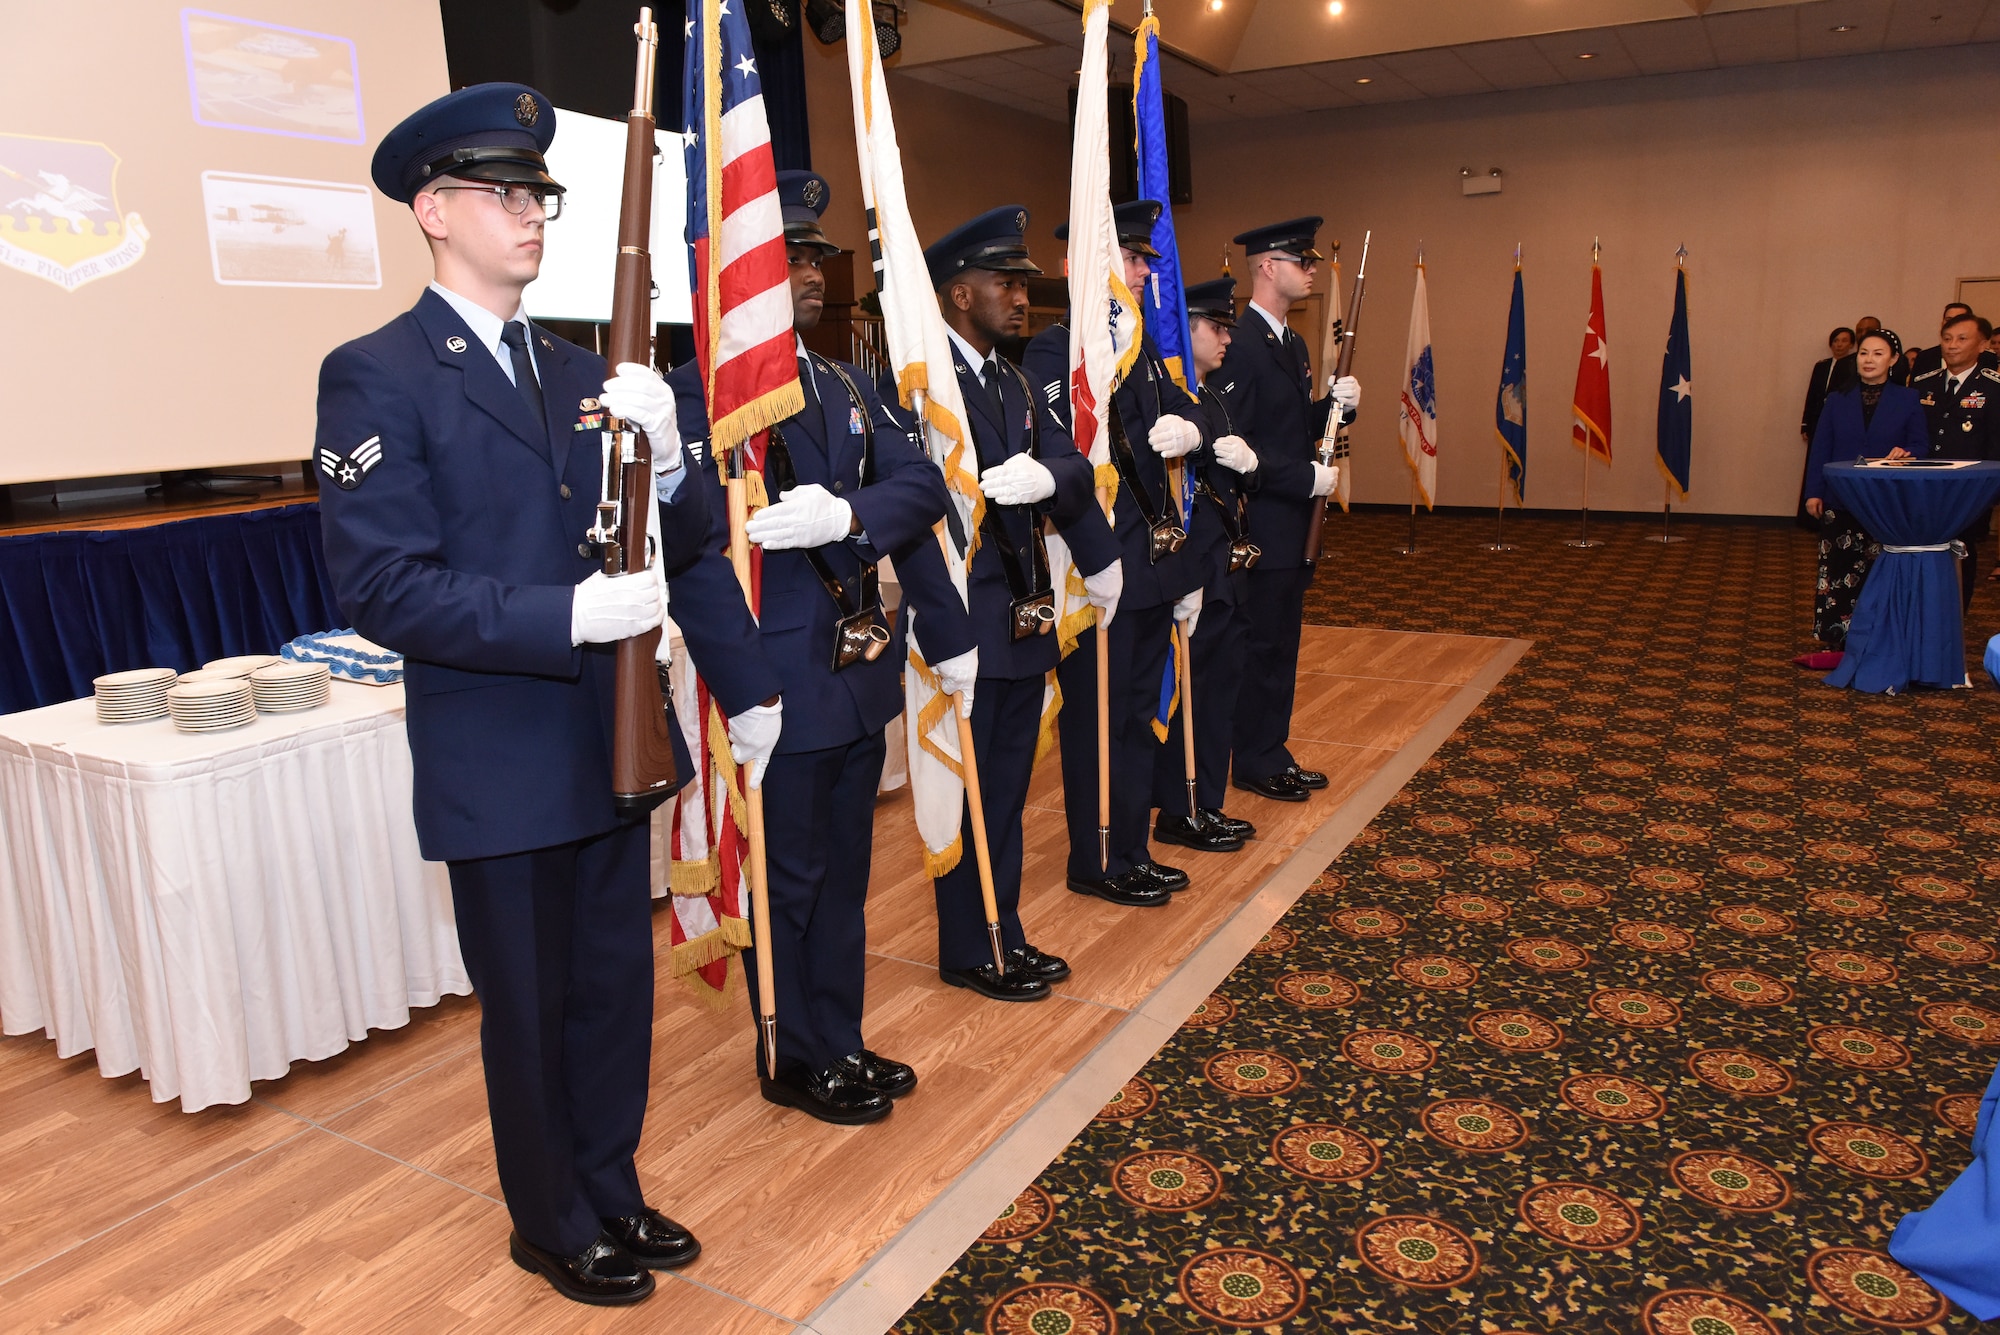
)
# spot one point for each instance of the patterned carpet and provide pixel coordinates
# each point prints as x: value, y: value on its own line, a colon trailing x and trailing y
x: 1651, y: 1004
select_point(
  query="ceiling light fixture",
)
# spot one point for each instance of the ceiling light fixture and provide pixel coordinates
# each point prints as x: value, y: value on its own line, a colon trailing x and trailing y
x: 1215, y: 6
x: 1586, y: 55
x: 1364, y: 81
x: 1841, y: 27
x: 1335, y: 7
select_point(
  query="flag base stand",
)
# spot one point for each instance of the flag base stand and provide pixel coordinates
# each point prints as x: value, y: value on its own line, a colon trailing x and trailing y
x: 1583, y: 538
x: 1666, y: 533
x: 1498, y: 547
x: 1411, y: 550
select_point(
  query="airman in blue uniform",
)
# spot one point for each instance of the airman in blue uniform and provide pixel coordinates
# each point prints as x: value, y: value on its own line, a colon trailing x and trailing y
x: 1155, y: 421
x: 454, y: 499
x: 848, y: 486
x: 1030, y: 474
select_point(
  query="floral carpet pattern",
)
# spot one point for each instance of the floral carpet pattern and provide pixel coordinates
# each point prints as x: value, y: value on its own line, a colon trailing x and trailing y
x: 1659, y: 995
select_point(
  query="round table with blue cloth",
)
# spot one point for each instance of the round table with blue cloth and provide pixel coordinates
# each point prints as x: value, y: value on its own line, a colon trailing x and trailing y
x: 1907, y: 628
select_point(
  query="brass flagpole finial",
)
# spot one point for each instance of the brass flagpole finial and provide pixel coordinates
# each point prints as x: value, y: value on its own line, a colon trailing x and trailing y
x: 1596, y: 250
x: 1680, y: 256
x: 1517, y: 254
x: 1225, y: 261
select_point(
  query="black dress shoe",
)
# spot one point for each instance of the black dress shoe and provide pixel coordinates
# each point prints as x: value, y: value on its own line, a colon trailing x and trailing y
x: 602, y: 1274
x: 1037, y: 964
x: 1242, y: 829
x: 1167, y: 878
x: 989, y: 982
x: 653, y: 1240
x: 1205, y: 837
x: 1307, y: 778
x: 1279, y: 787
x: 1133, y: 891
x: 830, y: 1095
x: 878, y: 1073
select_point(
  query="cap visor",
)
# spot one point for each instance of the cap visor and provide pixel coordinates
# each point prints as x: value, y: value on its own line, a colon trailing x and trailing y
x: 1140, y: 246
x: 508, y: 172
x: 810, y: 236
x: 1007, y: 264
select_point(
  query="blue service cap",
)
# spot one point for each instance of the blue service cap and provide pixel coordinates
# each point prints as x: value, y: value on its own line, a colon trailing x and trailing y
x: 802, y: 199
x: 490, y: 131
x: 996, y: 239
x: 1295, y: 237
x: 1214, y: 300
x: 1134, y: 223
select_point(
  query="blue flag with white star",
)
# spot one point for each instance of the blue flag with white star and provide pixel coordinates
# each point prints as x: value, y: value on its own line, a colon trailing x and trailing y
x: 1510, y: 409
x: 1676, y: 422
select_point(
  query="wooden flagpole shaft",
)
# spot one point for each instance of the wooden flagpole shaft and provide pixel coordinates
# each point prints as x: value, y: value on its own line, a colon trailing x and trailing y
x: 977, y: 808
x: 1411, y: 550
x: 1187, y: 718
x: 1583, y: 538
x: 1104, y: 726
x: 736, y: 489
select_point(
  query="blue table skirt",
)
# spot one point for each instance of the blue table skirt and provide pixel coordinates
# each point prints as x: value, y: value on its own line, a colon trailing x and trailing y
x: 1907, y: 628
x: 1955, y: 1244
x: 76, y: 605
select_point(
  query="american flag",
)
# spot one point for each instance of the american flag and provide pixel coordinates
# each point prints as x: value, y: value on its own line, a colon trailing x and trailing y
x: 736, y: 236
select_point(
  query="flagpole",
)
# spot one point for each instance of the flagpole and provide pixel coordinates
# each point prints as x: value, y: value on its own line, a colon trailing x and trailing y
x: 736, y: 489
x: 1583, y: 538
x: 1667, y: 535
x: 1500, y: 543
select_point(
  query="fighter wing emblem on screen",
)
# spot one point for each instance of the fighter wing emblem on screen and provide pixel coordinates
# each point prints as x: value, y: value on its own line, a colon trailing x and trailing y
x: 59, y: 211
x: 347, y: 470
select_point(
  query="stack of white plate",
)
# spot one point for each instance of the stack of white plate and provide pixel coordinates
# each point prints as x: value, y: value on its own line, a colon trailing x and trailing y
x: 212, y: 674
x: 211, y: 706
x: 133, y: 697
x: 287, y: 688
x: 242, y: 665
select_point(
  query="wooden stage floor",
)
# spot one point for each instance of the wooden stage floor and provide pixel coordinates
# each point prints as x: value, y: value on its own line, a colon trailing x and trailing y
x: 359, y: 1194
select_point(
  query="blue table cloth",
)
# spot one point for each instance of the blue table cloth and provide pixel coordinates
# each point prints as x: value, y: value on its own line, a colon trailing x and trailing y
x: 1907, y: 629
x: 1955, y: 1244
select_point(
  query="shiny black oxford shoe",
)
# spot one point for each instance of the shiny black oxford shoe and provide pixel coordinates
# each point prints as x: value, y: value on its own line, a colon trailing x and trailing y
x: 1307, y: 778
x: 1037, y: 964
x: 1280, y: 787
x: 603, y: 1274
x: 1131, y: 889
x: 990, y: 982
x: 878, y: 1073
x: 1167, y: 878
x: 1242, y: 829
x: 1202, y: 836
x: 831, y: 1095
x: 653, y: 1240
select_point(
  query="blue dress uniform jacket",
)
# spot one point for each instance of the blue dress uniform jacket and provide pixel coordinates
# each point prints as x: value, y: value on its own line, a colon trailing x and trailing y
x: 460, y: 549
x: 1965, y: 425
x: 1222, y: 492
x: 797, y: 616
x: 1266, y: 383
x: 1844, y: 434
x: 1073, y: 509
x: 1147, y: 394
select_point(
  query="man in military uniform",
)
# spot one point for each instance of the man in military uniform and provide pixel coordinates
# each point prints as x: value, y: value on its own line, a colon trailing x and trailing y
x: 1961, y: 401
x: 1219, y: 546
x: 848, y: 486
x: 1152, y: 420
x: 1266, y: 383
x: 454, y: 499
x: 1029, y: 471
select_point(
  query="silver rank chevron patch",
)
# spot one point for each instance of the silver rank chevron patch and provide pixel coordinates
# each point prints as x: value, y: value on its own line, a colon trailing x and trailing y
x: 347, y: 470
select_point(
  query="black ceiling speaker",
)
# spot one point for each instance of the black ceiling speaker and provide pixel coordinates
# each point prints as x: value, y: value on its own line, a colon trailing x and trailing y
x: 827, y: 19
x: 772, y: 21
x: 888, y: 32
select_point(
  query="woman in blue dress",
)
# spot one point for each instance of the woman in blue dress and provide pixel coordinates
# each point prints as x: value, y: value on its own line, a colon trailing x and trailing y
x: 1872, y: 419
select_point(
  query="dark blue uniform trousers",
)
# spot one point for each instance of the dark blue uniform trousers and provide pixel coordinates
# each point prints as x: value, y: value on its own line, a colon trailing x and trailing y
x: 559, y: 945
x: 1217, y: 669
x: 1006, y: 724
x: 819, y: 835
x: 1270, y: 678
x: 1138, y: 655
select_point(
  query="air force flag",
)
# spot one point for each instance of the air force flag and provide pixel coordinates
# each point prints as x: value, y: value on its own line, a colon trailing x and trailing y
x: 1676, y: 421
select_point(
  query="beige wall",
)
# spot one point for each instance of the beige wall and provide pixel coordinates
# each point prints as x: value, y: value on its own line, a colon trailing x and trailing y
x: 1807, y: 195
x: 961, y: 156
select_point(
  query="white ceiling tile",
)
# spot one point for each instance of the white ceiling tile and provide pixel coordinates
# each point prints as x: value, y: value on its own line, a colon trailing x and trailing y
x: 1668, y: 47
x: 1988, y: 28
x: 1567, y: 52
x: 1753, y: 36
x: 1918, y: 23
x: 1515, y: 63
x: 1437, y: 73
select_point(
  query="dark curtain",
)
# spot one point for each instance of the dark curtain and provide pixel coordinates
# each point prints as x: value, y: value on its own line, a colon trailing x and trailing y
x: 783, y: 67
x: 74, y: 606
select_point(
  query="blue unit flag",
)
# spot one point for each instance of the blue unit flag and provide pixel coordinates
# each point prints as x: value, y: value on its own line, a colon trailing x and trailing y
x: 1676, y: 422
x: 1510, y: 410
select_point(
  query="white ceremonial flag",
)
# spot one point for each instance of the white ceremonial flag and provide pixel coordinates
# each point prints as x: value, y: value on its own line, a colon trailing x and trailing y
x: 920, y: 356
x: 1417, y: 420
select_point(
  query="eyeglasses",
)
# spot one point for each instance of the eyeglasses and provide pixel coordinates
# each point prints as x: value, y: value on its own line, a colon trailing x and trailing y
x: 1292, y: 259
x: 514, y: 198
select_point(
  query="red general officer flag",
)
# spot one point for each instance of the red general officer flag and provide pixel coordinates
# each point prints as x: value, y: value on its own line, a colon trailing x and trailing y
x: 1592, y: 404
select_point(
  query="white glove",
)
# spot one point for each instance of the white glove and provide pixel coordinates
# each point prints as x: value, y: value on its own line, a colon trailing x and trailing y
x: 1188, y: 610
x: 1172, y: 437
x: 1324, y: 478
x: 1104, y: 589
x: 1344, y: 390
x: 753, y: 736
x: 638, y: 395
x: 1022, y: 480
x: 607, y: 608
x: 1235, y: 454
x: 808, y: 516
x: 956, y: 677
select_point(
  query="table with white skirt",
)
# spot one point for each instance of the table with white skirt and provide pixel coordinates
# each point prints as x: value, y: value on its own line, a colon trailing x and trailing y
x: 207, y: 909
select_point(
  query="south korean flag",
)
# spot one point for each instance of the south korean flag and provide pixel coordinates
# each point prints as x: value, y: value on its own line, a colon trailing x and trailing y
x: 347, y: 470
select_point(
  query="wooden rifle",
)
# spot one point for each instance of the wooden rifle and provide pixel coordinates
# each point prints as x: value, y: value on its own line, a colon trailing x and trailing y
x: 642, y: 749
x: 1342, y: 332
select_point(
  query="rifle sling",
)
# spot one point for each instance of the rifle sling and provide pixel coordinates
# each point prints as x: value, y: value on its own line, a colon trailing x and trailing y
x: 1034, y: 581
x: 781, y: 473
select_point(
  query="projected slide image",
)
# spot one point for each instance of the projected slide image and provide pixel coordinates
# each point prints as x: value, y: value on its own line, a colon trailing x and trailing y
x: 272, y: 231
x: 59, y: 211
x: 247, y: 75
